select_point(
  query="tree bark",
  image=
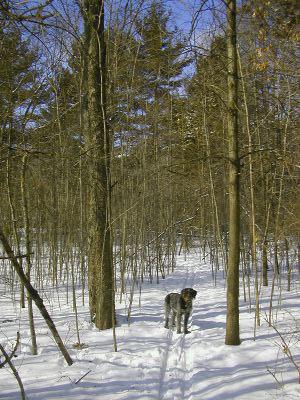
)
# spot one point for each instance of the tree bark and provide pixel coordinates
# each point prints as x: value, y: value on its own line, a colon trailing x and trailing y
x: 232, y: 320
x: 100, y: 254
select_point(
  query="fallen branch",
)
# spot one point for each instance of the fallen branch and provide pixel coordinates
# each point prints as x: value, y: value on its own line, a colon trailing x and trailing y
x: 35, y: 297
x: 15, y: 372
x: 13, y: 352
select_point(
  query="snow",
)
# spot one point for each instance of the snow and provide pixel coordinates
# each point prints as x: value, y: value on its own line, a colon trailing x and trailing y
x: 153, y: 363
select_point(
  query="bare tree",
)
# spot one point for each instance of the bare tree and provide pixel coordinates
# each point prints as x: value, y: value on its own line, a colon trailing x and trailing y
x: 232, y: 320
x: 100, y: 259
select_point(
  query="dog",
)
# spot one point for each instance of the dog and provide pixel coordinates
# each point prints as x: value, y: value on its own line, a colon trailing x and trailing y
x: 180, y: 304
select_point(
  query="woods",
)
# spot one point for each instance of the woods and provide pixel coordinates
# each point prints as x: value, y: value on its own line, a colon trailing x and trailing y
x: 132, y: 132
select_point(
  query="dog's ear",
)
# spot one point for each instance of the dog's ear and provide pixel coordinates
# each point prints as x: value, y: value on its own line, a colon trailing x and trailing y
x: 192, y: 293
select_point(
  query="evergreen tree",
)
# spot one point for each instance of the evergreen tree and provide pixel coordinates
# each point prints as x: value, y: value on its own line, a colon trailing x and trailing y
x: 160, y: 64
x: 18, y: 79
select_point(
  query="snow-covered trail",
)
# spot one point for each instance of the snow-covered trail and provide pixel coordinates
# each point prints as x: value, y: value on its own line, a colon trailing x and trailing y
x: 177, y: 360
x: 153, y: 363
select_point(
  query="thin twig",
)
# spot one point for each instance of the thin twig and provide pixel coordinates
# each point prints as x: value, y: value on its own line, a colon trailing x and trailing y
x: 83, y: 376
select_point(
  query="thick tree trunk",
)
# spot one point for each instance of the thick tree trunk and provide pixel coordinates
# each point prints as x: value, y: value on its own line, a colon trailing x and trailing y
x: 35, y: 297
x: 232, y: 320
x: 100, y: 255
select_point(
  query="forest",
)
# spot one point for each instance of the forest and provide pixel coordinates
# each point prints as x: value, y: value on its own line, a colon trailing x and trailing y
x: 147, y: 146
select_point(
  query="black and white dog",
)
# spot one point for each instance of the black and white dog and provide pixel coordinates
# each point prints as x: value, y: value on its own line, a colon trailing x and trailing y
x: 180, y: 304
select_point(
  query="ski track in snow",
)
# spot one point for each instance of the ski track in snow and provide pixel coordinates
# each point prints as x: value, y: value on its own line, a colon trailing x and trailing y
x: 177, y: 359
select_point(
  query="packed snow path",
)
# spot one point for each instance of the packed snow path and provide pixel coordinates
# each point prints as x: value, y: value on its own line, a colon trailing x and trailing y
x: 177, y: 359
x: 153, y: 363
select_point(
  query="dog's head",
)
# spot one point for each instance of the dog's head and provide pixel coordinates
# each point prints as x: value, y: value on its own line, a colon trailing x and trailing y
x: 188, y: 294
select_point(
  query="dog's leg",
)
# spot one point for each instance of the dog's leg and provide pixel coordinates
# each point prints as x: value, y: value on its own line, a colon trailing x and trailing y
x: 173, y: 318
x: 167, y: 314
x: 179, y: 316
x: 186, y: 318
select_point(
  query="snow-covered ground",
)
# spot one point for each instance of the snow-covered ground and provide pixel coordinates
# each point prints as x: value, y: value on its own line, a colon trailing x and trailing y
x: 153, y: 363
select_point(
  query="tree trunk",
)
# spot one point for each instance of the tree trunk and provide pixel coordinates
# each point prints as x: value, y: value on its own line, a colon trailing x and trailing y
x: 34, y: 349
x: 100, y: 255
x: 232, y: 320
x: 265, y: 262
